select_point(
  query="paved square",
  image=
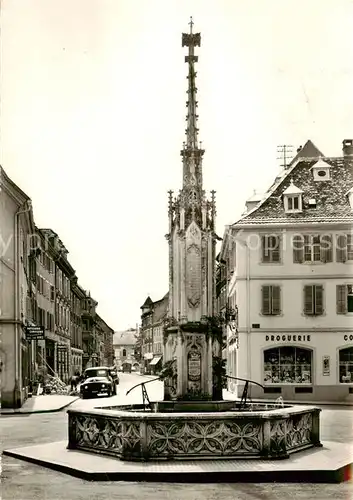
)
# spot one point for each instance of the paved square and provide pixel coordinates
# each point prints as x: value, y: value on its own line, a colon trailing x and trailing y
x: 331, y: 463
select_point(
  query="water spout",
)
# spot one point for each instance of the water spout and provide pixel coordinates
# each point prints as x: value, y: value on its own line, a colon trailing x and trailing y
x: 279, y: 402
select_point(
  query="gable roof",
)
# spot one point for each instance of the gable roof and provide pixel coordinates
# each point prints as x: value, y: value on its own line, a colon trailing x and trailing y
x: 292, y: 189
x: 126, y: 337
x: 331, y: 203
x: 148, y: 303
x: 309, y: 150
x: 160, y: 308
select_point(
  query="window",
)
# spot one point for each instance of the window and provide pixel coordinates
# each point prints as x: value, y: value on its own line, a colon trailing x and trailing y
x: 313, y: 300
x: 287, y: 365
x: 271, y: 300
x: 312, y: 248
x: 344, y: 247
x: 346, y: 365
x: 124, y: 353
x: 321, y: 171
x: 271, y: 248
x: 52, y: 293
x: 344, y: 299
x: 293, y: 202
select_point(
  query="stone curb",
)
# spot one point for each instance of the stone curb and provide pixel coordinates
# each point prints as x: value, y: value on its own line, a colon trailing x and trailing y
x: 19, y: 411
x: 315, y: 476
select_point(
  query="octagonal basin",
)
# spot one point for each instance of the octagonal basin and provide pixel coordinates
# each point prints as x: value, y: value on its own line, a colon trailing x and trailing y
x: 130, y: 433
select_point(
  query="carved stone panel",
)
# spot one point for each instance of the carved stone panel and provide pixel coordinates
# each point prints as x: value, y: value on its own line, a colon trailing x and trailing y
x: 204, y: 438
x: 193, y: 266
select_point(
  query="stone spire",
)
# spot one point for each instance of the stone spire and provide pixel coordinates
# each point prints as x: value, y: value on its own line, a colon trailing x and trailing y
x: 191, y: 241
x: 192, y: 151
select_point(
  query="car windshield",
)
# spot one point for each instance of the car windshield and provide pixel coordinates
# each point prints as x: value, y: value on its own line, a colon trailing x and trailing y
x: 96, y: 373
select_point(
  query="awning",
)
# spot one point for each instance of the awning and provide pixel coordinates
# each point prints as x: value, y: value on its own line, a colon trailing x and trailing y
x: 155, y: 360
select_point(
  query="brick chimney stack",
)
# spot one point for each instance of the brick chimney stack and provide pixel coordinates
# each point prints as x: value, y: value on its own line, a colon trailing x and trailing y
x: 348, y: 148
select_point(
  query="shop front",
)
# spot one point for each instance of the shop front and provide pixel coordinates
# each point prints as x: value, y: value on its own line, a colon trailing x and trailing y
x: 299, y: 366
x: 156, y: 365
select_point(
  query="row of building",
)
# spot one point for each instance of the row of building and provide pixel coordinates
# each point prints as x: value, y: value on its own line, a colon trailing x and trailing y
x: 48, y: 323
x: 284, y: 284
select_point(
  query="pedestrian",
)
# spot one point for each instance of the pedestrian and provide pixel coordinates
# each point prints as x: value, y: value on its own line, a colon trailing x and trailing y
x: 74, y: 382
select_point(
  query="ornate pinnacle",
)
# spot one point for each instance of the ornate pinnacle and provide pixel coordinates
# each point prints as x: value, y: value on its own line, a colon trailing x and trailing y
x: 191, y: 40
x: 170, y: 201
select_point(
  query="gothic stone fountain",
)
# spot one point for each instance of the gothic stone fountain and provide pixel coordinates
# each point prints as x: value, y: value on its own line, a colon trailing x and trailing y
x: 192, y: 421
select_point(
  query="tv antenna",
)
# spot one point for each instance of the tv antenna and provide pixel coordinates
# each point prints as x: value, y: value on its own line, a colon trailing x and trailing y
x: 285, y: 152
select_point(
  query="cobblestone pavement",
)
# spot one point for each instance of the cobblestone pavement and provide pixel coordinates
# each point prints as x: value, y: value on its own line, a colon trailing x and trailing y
x: 24, y: 481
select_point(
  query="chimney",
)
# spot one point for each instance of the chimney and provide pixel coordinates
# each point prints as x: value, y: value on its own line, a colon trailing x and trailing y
x: 348, y: 148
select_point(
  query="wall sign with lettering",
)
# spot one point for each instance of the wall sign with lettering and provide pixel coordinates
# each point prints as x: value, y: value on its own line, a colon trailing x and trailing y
x: 348, y: 338
x: 288, y: 338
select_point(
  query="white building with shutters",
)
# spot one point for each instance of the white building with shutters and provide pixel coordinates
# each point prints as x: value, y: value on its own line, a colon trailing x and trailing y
x: 290, y: 275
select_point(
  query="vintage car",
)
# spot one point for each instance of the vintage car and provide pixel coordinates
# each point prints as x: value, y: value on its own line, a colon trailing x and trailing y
x: 97, y: 381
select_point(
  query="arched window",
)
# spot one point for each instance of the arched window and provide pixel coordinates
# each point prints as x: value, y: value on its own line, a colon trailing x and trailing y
x: 346, y: 365
x: 124, y: 353
x: 287, y: 365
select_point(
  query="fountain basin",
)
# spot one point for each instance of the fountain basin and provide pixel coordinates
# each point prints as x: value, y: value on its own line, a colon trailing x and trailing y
x: 130, y: 433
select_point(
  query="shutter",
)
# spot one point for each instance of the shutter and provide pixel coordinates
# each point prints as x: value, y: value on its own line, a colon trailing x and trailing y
x: 341, y: 299
x: 319, y: 299
x: 308, y: 300
x: 298, y: 249
x: 276, y: 299
x: 266, y: 300
x: 326, y: 248
x: 265, y: 250
x: 341, y: 248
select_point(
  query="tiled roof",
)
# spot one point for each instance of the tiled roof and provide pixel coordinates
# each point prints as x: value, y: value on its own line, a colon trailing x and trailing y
x: 332, y: 204
x: 309, y: 150
x: 148, y: 302
x: 160, y: 309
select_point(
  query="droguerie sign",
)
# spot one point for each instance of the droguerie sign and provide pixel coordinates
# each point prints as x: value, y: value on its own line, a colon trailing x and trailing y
x: 288, y: 338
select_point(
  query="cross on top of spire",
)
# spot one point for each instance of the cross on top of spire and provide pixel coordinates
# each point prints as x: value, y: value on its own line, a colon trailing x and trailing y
x: 191, y: 24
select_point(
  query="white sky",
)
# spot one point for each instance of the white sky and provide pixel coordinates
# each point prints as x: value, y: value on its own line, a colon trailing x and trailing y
x: 93, y: 117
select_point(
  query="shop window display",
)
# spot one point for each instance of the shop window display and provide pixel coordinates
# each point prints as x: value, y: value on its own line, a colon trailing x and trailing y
x: 346, y: 365
x: 287, y: 365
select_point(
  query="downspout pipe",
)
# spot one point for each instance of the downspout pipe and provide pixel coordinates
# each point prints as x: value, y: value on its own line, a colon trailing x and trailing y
x: 248, y: 318
x: 20, y: 211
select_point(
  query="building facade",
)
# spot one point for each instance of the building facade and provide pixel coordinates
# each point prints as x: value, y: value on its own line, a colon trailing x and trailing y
x: 105, y: 340
x: 90, y: 340
x: 290, y: 271
x: 124, y: 348
x: 146, y: 335
x: 153, y: 319
x: 43, y: 255
x: 16, y: 229
x: 76, y: 344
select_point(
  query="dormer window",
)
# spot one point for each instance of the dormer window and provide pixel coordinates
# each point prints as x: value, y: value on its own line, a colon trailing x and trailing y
x: 350, y: 197
x: 321, y: 171
x: 292, y: 199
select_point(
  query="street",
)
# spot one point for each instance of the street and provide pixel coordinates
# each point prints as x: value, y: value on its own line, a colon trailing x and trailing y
x: 24, y: 481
